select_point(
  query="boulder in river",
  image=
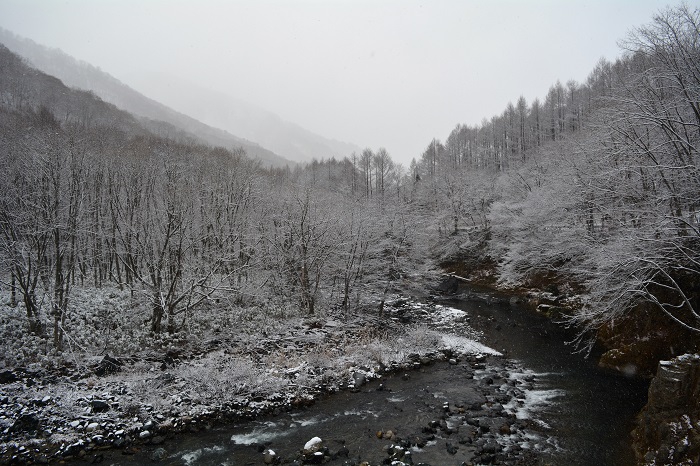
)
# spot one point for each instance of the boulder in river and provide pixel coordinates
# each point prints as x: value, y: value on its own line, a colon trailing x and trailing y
x: 159, y: 454
x: 359, y: 379
x: 269, y: 456
x: 312, y: 446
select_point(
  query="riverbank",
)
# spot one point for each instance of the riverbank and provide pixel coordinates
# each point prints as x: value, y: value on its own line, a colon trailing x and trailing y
x: 642, y: 346
x: 58, y: 412
x: 445, y: 413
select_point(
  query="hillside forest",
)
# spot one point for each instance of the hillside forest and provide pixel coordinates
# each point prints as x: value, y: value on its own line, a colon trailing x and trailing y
x: 590, y: 193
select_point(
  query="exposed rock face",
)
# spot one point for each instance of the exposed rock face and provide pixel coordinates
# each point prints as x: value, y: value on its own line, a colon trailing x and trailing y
x: 637, y: 342
x: 668, y: 428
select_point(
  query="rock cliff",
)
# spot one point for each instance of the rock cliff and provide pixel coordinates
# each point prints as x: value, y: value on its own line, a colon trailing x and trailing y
x: 668, y: 428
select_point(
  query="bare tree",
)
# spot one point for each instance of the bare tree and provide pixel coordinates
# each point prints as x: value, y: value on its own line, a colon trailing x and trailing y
x: 303, y: 238
x: 40, y: 219
x: 647, y: 178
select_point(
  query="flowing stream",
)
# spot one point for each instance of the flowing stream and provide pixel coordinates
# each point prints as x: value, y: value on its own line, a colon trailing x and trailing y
x: 583, y: 414
x: 594, y: 415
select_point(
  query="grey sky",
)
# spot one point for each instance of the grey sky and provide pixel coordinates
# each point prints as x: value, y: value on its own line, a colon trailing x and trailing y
x: 375, y: 73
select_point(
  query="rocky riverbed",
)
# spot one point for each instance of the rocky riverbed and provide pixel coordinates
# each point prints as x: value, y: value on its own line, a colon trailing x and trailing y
x: 78, y: 412
x: 467, y: 410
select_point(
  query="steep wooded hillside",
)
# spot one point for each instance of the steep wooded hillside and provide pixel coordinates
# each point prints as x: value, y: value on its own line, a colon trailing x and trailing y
x: 592, y: 191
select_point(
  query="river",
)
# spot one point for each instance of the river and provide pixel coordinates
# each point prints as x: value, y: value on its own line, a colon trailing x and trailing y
x: 594, y: 415
x: 579, y: 414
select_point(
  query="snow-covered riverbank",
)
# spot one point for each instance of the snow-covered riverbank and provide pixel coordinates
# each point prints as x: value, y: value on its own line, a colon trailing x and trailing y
x: 74, y: 410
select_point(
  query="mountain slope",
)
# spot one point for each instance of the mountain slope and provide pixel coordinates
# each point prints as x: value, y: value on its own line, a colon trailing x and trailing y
x: 249, y: 121
x: 25, y: 88
x: 81, y: 75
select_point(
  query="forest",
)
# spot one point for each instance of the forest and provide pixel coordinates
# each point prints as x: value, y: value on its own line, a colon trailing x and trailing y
x: 591, y: 194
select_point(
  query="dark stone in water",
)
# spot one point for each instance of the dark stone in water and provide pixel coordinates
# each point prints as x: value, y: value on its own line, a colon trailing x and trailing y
x: 492, y: 447
x: 159, y: 454
x: 359, y: 379
x: 344, y: 452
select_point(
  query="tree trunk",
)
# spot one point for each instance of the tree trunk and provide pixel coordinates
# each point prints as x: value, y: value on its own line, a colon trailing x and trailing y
x: 32, y: 315
x: 13, y: 290
x: 157, y: 317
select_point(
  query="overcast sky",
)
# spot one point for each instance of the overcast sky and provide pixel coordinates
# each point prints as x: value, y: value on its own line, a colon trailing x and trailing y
x: 374, y: 73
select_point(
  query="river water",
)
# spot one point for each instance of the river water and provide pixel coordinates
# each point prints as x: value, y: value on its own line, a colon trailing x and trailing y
x: 593, y: 416
x: 582, y: 414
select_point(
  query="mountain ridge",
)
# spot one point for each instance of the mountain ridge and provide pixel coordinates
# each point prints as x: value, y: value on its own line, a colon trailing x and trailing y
x: 84, y: 76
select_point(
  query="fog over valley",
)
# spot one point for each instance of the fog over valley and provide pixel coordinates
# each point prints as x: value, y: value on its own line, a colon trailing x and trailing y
x: 390, y: 74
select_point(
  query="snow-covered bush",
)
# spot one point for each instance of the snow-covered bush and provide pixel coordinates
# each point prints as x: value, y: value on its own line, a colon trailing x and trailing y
x: 222, y: 379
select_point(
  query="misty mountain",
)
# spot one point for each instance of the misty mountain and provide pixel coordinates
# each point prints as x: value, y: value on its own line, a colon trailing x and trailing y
x: 213, y: 117
x: 249, y: 121
x: 156, y: 117
x: 24, y: 87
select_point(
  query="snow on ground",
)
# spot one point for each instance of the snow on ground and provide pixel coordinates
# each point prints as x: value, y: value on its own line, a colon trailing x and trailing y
x: 223, y: 357
x: 467, y: 346
x: 456, y: 334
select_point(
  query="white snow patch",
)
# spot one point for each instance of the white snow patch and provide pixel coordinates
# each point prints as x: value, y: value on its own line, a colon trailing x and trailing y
x: 467, y: 345
x: 448, y: 314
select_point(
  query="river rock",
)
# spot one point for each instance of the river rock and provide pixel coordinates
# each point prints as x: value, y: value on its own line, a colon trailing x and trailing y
x: 26, y: 423
x: 312, y: 446
x: 343, y: 452
x: 108, y: 365
x: 7, y: 377
x: 359, y: 379
x: 99, y: 406
x: 159, y: 454
x: 269, y: 456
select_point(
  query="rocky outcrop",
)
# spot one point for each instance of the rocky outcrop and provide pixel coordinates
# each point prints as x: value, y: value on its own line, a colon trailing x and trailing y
x: 668, y: 428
